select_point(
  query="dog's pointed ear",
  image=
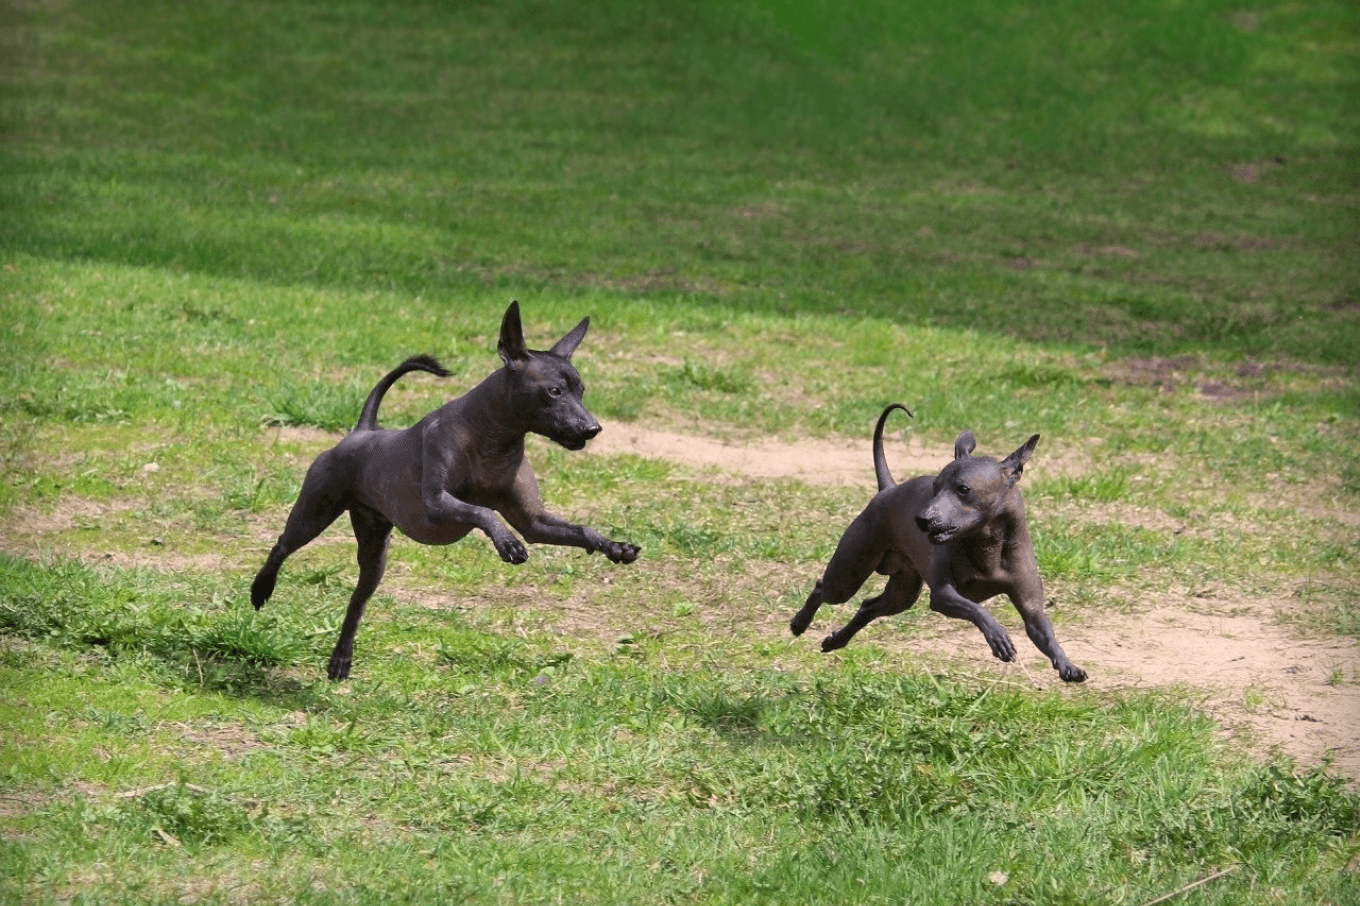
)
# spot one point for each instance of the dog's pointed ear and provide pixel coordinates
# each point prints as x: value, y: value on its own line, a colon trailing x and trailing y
x: 511, y: 345
x: 1013, y: 466
x: 964, y: 445
x: 567, y: 345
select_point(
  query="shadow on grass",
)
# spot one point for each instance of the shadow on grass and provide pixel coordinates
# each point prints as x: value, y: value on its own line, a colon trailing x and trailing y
x: 135, y: 619
x: 739, y: 719
x: 242, y: 679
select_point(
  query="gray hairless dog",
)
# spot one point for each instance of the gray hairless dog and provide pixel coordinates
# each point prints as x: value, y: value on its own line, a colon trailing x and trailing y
x: 449, y: 473
x: 962, y: 532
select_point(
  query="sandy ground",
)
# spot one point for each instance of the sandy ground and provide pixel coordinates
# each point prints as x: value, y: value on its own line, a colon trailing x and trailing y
x: 1277, y: 691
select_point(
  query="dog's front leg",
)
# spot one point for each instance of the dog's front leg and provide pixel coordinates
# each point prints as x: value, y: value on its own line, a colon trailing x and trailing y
x: 1040, y: 631
x: 524, y: 510
x: 550, y: 529
x: 545, y: 528
x: 948, y: 600
x: 442, y: 510
x: 538, y: 526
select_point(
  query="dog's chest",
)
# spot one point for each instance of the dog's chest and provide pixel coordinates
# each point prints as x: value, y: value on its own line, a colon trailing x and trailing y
x: 978, y: 566
x: 479, y: 474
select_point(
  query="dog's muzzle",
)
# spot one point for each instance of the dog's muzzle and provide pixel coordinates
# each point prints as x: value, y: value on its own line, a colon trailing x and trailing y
x: 578, y: 441
x: 935, y: 532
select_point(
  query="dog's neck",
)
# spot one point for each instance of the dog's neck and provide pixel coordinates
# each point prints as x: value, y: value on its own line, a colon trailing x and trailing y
x: 489, y: 411
x: 1003, y: 528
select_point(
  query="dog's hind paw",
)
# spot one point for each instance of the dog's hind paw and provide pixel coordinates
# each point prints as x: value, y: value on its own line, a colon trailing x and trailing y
x: 833, y: 642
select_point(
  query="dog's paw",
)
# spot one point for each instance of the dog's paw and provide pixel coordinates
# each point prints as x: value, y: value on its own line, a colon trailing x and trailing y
x: 511, y: 549
x: 1003, y: 649
x: 260, y: 591
x: 1071, y: 673
x: 833, y: 642
x: 621, y: 551
x: 339, y: 667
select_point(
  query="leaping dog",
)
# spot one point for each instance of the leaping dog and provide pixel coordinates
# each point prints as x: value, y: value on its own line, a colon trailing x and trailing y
x: 448, y: 474
x: 962, y: 532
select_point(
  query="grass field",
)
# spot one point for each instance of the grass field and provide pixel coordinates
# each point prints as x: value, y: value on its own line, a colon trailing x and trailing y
x: 1131, y: 228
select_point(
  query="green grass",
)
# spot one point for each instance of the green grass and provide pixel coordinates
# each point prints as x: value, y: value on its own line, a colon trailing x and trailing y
x: 504, y: 770
x: 730, y: 153
x: 1128, y: 228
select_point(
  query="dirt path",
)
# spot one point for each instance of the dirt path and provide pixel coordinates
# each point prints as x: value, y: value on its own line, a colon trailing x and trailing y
x: 1298, y: 695
x: 810, y: 461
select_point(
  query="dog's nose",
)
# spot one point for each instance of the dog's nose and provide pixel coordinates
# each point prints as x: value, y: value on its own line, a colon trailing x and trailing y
x: 591, y: 431
x: 923, y: 523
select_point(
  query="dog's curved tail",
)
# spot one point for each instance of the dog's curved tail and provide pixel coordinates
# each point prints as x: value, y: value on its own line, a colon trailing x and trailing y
x: 885, y: 479
x: 368, y: 418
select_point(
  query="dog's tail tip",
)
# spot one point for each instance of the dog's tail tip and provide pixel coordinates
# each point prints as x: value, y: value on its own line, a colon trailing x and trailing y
x: 368, y: 416
x: 426, y: 362
x: 887, y: 411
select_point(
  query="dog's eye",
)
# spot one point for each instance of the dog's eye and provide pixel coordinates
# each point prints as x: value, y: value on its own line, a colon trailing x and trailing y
x: 964, y: 490
x: 554, y: 392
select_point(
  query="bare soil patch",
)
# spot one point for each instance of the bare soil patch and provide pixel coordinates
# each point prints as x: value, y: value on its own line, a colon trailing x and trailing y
x: 816, y: 461
x: 1271, y: 690
x: 811, y: 461
x: 1296, y: 695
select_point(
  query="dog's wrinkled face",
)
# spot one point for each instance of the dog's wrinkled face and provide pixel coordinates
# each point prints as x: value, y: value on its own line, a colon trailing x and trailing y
x: 970, y: 490
x: 965, y: 496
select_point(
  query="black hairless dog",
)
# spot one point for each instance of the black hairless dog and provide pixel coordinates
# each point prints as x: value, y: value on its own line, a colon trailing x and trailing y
x: 448, y: 474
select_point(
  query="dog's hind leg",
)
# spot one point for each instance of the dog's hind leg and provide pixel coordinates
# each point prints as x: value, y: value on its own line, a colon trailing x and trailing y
x: 803, y: 618
x: 857, y: 556
x: 313, y: 513
x: 372, y: 531
x: 901, y: 592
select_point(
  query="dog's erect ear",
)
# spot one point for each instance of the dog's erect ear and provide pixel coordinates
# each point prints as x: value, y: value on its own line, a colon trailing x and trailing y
x: 964, y: 445
x: 511, y: 345
x: 1013, y: 466
x: 567, y: 345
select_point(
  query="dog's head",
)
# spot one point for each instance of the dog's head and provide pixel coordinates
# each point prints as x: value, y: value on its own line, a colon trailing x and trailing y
x: 547, y: 391
x: 971, y: 490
